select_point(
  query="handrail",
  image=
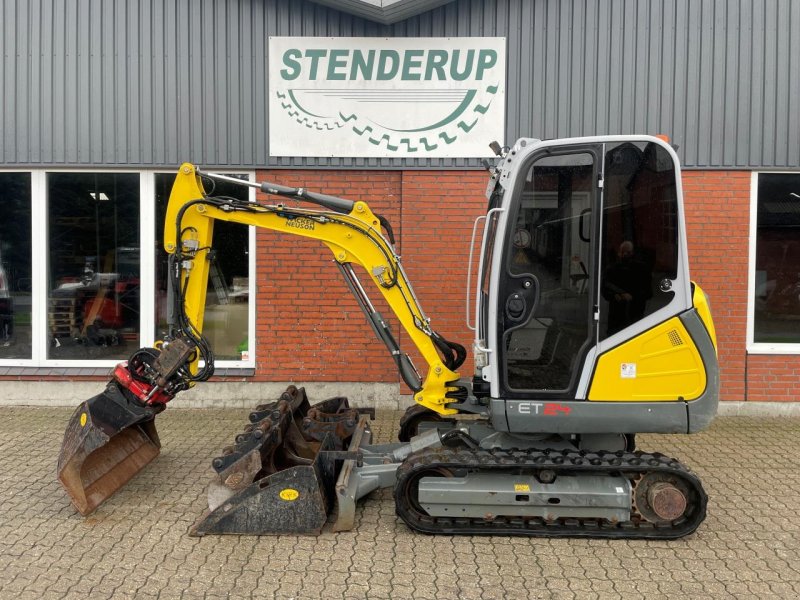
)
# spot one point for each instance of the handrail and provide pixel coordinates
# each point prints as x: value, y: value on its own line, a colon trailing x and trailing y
x: 469, y: 268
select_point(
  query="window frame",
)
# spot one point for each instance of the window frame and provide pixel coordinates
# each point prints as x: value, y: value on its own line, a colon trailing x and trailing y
x: 752, y: 346
x: 30, y: 362
x: 147, y: 240
x: 250, y: 363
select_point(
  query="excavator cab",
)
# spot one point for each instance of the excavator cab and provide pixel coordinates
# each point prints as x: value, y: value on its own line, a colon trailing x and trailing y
x: 585, y: 310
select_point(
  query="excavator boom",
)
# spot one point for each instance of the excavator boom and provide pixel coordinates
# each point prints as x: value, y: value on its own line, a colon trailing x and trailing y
x: 352, y: 232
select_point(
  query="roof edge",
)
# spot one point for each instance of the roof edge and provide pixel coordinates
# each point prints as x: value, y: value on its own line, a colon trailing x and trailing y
x: 386, y: 12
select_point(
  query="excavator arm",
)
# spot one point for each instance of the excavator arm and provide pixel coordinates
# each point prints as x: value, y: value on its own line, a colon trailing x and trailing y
x: 112, y: 436
x: 349, y: 229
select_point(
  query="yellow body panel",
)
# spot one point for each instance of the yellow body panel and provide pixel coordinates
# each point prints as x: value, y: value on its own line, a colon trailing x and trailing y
x: 661, y: 364
x: 188, y: 187
x: 356, y: 239
x: 700, y: 301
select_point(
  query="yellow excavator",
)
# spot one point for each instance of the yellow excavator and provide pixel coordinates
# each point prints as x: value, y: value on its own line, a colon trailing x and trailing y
x: 587, y: 331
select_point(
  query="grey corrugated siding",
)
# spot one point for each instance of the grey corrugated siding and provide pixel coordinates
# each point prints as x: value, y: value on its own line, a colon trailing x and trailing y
x: 384, y: 11
x: 155, y: 82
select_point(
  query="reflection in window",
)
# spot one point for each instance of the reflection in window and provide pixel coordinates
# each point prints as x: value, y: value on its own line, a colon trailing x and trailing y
x: 93, y: 279
x: 550, y: 243
x: 226, y: 317
x: 640, y: 234
x: 777, y: 273
x: 15, y: 265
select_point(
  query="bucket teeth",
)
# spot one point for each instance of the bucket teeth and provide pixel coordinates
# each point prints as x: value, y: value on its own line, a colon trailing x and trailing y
x: 263, y: 436
x: 279, y: 475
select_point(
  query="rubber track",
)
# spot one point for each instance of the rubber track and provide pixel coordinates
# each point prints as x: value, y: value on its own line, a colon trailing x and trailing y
x: 629, y: 464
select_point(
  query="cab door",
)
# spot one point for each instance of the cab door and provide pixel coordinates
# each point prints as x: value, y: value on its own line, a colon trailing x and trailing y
x: 547, y: 287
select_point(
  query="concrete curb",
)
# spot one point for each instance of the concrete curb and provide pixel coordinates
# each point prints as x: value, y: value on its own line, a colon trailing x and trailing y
x: 244, y: 395
x: 759, y: 409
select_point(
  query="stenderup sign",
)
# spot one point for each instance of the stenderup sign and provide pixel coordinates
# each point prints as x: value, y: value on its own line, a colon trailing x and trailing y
x: 386, y: 97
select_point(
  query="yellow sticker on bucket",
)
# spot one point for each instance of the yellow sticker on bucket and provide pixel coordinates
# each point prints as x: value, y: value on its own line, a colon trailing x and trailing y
x: 522, y: 487
x: 289, y: 495
x: 83, y: 419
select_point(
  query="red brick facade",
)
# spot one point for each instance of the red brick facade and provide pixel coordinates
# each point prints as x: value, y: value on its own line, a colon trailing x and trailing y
x: 320, y: 334
x: 717, y: 207
x: 309, y: 328
x: 718, y: 221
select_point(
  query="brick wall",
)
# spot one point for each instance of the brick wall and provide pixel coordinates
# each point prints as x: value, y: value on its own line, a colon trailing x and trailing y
x: 717, y: 220
x: 433, y: 213
x: 308, y: 326
x: 318, y: 332
x: 439, y: 209
x: 310, y: 329
x: 772, y: 378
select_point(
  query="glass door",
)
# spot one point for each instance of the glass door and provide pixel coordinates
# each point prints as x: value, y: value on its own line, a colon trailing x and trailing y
x: 545, y: 312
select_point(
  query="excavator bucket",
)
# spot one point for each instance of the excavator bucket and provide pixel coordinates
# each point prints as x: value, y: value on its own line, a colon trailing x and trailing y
x: 108, y: 440
x: 281, y: 474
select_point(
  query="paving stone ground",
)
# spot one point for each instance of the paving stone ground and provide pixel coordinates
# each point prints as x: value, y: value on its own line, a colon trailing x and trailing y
x: 136, y: 545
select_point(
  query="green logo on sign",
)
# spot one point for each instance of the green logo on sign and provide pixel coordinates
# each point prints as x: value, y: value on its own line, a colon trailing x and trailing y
x: 404, y: 100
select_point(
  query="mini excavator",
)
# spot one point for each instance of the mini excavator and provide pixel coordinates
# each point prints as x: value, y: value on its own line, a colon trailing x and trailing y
x: 587, y: 331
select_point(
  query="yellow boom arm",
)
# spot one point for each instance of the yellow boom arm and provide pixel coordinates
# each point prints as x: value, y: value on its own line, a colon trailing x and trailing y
x: 354, y: 237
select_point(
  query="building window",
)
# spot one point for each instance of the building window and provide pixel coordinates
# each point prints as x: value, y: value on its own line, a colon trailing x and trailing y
x: 93, y: 265
x: 774, y: 323
x: 96, y: 291
x: 226, y: 321
x: 15, y: 266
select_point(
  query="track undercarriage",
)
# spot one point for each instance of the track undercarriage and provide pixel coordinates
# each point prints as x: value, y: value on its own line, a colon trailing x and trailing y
x: 558, y: 493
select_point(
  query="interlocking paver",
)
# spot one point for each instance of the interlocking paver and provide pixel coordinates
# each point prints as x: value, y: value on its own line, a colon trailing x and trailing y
x: 137, y: 544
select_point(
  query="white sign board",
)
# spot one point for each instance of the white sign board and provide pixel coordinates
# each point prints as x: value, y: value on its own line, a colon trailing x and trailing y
x: 386, y: 97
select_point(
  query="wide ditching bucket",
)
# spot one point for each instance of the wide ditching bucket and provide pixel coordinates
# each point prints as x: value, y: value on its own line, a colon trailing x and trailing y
x: 108, y: 440
x: 280, y: 476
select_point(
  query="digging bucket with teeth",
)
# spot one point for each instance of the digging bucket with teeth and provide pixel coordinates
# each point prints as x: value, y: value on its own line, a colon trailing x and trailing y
x: 280, y: 475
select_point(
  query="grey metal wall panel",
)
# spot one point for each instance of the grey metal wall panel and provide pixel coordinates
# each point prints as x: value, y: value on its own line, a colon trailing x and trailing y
x: 153, y: 82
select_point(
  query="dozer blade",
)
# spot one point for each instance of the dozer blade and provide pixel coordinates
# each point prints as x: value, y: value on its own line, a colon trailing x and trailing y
x: 108, y: 440
x: 279, y: 477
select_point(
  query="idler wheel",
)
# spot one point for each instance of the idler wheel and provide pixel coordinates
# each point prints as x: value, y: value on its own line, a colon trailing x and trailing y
x: 661, y: 498
x: 667, y: 501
